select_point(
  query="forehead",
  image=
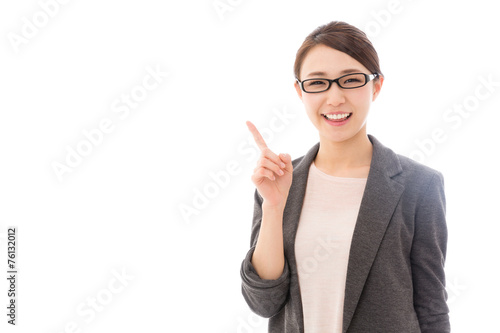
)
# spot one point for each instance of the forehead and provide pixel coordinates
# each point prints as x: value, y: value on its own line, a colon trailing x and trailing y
x: 332, y: 62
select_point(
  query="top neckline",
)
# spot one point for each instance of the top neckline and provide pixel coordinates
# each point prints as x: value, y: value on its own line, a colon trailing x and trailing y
x: 327, y: 176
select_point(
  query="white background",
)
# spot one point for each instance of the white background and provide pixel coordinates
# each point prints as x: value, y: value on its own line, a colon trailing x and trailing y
x: 119, y: 210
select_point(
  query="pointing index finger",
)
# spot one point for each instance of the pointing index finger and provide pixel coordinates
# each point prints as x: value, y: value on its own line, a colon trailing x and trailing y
x: 256, y: 136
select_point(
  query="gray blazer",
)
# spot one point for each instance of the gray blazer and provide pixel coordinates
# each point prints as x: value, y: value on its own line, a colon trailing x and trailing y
x: 395, y: 275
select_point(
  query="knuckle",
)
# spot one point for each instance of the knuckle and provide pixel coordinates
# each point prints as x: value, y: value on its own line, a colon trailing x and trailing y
x: 266, y: 162
x: 267, y: 153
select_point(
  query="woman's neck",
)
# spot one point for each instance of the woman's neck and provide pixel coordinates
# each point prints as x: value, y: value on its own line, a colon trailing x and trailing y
x: 350, y: 158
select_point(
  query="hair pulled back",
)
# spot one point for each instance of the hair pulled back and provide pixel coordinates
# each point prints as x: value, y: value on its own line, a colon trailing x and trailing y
x: 342, y: 37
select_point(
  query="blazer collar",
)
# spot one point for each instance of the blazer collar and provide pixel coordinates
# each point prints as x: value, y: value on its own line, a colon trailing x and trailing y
x: 382, y: 158
x: 379, y: 201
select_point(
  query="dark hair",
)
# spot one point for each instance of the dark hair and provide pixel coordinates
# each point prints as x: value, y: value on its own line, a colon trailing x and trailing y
x: 343, y: 37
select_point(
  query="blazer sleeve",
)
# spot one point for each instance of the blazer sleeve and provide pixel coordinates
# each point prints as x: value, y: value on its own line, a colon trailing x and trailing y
x: 428, y: 256
x: 264, y: 297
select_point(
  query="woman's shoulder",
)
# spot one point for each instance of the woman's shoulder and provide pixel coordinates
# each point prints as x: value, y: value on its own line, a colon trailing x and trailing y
x: 414, y: 167
x: 408, y: 167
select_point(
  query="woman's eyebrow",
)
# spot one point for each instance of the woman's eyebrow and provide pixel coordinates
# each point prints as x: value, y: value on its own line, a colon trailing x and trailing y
x: 342, y: 72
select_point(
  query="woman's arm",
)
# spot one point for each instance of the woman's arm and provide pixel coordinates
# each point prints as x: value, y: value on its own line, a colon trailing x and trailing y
x: 428, y: 256
x: 264, y: 272
x: 268, y: 257
x: 265, y: 286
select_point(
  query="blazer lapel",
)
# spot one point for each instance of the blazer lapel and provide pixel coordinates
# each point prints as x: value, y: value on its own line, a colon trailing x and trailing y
x: 379, y: 201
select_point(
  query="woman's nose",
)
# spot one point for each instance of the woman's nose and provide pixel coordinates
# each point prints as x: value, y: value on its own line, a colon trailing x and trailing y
x: 335, y: 95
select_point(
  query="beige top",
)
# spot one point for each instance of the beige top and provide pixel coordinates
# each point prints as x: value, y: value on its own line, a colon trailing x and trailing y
x: 329, y: 213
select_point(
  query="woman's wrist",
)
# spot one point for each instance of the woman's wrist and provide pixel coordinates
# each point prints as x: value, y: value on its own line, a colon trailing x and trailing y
x: 273, y: 208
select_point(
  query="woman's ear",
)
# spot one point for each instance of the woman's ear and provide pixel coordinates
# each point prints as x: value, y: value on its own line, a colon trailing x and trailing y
x: 377, y: 85
x: 297, y: 88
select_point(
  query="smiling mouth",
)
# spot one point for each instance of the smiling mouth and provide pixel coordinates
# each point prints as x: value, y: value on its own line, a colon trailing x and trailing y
x: 337, y: 117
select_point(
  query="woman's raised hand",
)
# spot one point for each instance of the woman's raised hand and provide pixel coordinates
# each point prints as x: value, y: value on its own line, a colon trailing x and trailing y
x: 273, y: 174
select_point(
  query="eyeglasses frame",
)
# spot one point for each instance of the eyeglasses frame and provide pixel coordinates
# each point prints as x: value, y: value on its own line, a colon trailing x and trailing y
x: 368, y: 78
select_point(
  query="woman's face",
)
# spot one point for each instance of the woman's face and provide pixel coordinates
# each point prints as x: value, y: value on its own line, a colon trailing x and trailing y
x: 355, y: 102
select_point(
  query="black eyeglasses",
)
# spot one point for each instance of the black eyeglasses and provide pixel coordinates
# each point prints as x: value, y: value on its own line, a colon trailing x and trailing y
x: 349, y: 81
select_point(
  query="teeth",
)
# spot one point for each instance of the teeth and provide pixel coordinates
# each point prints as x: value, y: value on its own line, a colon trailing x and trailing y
x: 337, y: 116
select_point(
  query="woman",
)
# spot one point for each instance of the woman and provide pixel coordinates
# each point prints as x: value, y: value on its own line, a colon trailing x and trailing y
x: 350, y: 237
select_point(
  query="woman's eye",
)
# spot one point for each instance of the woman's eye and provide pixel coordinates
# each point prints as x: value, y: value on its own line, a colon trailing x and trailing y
x: 317, y: 83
